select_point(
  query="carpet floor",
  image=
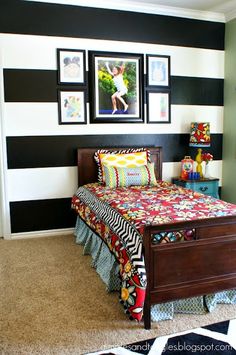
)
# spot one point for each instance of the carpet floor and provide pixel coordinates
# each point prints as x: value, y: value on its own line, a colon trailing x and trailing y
x: 53, y: 302
x: 213, y: 339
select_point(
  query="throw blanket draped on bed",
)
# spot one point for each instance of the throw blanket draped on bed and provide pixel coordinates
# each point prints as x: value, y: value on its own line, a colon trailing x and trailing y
x: 119, y: 216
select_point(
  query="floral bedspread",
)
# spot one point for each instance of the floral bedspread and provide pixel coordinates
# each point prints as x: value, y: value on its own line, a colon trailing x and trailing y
x: 120, y: 215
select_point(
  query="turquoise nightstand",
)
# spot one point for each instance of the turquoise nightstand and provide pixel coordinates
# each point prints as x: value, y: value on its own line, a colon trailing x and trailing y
x: 205, y: 186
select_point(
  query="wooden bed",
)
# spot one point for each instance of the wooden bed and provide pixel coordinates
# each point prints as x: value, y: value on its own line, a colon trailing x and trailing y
x: 201, y: 266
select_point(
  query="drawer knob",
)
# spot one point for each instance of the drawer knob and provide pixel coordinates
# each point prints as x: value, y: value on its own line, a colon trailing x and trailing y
x: 204, y: 188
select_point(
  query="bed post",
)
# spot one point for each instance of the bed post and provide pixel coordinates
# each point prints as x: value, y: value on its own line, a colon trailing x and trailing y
x: 147, y: 313
x: 147, y: 303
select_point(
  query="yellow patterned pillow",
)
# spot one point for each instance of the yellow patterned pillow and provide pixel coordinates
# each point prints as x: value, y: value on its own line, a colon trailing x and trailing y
x: 130, y: 158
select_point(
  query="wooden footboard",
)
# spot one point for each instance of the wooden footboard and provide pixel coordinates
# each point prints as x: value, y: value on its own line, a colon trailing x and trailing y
x: 196, y: 267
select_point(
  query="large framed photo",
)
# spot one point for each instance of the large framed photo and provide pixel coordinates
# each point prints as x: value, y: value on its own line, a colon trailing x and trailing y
x: 116, y: 87
x: 71, y: 66
x: 72, y: 107
x: 158, y: 107
x: 158, y: 70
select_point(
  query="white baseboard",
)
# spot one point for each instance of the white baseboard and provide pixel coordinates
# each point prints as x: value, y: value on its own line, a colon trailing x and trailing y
x: 40, y: 234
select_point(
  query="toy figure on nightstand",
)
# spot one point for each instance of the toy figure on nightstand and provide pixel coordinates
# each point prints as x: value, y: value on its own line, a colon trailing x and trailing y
x: 186, y: 167
x: 199, y: 162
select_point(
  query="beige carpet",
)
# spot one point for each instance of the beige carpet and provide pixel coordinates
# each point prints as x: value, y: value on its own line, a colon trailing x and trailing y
x: 53, y: 302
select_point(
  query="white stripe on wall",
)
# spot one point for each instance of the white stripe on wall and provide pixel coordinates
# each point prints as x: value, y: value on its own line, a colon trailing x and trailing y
x: 41, y: 183
x: 32, y: 119
x: 48, y: 183
x: 39, y: 52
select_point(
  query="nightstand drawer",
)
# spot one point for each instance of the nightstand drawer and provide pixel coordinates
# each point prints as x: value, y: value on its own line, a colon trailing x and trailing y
x: 205, y: 186
x: 208, y: 188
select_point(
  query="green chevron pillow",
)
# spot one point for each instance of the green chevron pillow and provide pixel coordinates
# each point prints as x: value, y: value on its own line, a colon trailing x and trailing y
x: 124, y: 177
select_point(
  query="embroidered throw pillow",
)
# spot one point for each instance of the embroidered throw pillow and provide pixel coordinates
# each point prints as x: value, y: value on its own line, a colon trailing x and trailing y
x: 124, y: 177
x: 128, y: 158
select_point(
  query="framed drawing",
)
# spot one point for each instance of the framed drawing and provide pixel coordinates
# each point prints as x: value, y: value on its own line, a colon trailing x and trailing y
x: 116, y: 87
x: 158, y: 70
x: 158, y: 107
x: 72, y: 107
x: 71, y: 66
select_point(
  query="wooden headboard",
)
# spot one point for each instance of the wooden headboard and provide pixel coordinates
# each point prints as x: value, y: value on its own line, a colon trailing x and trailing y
x: 87, y: 167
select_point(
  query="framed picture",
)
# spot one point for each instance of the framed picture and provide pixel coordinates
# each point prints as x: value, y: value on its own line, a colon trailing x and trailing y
x: 158, y: 107
x: 71, y: 66
x: 116, y: 87
x: 158, y: 70
x: 72, y: 107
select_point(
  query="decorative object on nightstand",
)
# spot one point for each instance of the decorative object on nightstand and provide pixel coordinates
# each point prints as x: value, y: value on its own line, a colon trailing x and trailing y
x: 186, y: 166
x: 198, y: 160
x: 200, y: 135
x: 208, y: 187
x: 199, y: 138
x: 207, y: 157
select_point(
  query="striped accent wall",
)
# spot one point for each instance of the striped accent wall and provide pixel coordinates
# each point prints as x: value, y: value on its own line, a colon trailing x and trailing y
x: 40, y: 154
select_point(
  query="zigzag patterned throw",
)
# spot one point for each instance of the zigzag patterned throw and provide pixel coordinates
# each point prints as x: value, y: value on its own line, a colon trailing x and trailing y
x: 126, y: 232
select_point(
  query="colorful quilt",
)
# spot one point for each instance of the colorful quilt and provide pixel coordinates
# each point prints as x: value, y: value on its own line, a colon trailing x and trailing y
x: 119, y: 217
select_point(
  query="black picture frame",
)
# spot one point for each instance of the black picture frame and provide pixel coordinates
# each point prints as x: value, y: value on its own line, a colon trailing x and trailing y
x: 158, y: 106
x: 126, y: 106
x: 71, y: 66
x: 158, y: 70
x: 72, y: 106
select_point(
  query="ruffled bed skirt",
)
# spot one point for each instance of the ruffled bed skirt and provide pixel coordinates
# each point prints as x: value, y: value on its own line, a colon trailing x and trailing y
x: 107, y: 267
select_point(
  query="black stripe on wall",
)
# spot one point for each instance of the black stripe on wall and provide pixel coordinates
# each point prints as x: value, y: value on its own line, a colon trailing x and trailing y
x: 57, y: 151
x: 30, y: 85
x: 28, y: 216
x: 201, y: 91
x: 27, y: 17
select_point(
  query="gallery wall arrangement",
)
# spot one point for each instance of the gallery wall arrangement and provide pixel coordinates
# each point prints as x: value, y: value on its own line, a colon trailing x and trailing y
x: 58, y: 83
x: 116, y: 87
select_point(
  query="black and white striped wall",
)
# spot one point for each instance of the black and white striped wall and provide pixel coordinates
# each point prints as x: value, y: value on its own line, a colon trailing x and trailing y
x: 40, y: 156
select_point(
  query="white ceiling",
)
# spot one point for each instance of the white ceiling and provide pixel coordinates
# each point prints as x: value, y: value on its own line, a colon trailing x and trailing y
x: 213, y: 10
x: 200, y: 5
